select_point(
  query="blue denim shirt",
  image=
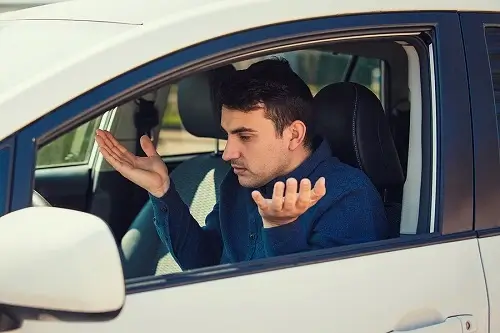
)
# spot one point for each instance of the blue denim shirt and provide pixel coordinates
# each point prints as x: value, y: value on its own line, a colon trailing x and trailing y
x: 351, y: 212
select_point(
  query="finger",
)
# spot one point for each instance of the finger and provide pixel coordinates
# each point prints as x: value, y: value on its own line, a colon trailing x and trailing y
x: 259, y: 200
x: 110, y: 139
x: 108, y: 142
x: 304, y: 194
x: 110, y: 157
x: 102, y: 140
x: 277, y: 199
x: 147, y: 146
x: 116, y: 157
x: 290, y: 194
x: 112, y: 142
x: 319, y: 190
x: 111, y: 152
x: 116, y: 147
x: 142, y: 178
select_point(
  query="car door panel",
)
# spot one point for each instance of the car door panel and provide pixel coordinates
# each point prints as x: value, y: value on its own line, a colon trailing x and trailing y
x: 416, y: 288
x: 490, y: 252
x: 481, y: 33
x: 66, y: 186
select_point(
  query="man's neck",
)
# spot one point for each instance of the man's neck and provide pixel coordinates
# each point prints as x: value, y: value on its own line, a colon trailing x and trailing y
x: 301, y: 155
x: 299, y: 158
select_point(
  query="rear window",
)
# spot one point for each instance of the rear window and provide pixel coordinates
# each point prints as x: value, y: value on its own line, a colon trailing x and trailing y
x: 493, y: 44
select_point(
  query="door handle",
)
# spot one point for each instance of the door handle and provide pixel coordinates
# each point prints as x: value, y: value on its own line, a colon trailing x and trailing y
x: 457, y: 324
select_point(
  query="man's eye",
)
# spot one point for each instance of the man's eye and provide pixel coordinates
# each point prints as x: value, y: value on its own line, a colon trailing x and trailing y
x: 244, y: 137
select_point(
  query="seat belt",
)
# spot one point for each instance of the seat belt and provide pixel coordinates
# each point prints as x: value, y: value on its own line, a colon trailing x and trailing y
x: 146, y: 118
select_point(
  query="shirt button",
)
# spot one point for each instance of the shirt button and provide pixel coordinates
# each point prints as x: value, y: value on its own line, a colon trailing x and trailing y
x: 252, y: 236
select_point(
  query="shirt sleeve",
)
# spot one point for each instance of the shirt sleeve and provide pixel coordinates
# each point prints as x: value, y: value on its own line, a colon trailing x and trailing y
x: 356, y: 216
x: 191, y: 245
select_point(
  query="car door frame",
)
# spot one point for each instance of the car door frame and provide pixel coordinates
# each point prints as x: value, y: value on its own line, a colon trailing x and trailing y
x: 486, y: 151
x: 452, y: 172
x: 483, y: 113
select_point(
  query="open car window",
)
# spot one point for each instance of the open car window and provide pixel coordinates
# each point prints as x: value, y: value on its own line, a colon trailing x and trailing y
x: 317, y: 68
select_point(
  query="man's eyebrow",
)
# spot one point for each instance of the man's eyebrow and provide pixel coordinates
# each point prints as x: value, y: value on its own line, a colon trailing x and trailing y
x: 243, y: 130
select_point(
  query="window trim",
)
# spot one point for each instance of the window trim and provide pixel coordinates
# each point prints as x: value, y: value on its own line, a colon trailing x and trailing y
x: 7, y: 149
x: 484, y: 123
x: 218, y: 52
x: 433, y: 189
x: 96, y: 161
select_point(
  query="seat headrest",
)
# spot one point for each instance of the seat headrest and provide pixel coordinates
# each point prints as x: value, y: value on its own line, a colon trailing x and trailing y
x: 352, y: 119
x: 198, y: 103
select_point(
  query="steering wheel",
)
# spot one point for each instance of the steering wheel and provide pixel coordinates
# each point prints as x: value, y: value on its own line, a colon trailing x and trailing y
x: 38, y: 201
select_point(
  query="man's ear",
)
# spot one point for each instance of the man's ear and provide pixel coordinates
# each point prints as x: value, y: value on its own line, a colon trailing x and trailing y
x: 297, y: 134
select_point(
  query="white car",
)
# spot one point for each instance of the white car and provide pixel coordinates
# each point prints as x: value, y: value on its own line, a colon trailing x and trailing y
x: 78, y: 249
x: 10, y: 5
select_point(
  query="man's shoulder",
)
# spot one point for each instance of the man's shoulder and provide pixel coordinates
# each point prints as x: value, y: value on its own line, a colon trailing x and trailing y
x: 341, y: 178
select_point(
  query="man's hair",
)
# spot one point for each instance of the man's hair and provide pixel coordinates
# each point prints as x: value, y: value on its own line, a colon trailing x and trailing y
x: 273, y: 84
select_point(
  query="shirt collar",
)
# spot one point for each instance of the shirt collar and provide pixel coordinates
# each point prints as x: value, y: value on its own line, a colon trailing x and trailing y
x: 320, y: 154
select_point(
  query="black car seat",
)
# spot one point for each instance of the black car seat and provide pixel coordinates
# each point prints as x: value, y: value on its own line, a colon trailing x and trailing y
x: 197, y: 180
x: 352, y: 119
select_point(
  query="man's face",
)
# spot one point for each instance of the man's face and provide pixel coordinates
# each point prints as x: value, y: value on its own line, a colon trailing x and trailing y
x: 254, y: 149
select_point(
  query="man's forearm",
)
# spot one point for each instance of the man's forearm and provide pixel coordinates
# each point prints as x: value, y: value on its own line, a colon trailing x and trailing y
x: 191, y: 245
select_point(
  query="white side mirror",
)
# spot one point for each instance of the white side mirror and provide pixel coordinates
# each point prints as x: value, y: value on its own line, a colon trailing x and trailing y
x: 58, y: 264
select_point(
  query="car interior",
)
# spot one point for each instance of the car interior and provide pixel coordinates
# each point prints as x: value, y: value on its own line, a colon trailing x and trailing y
x: 379, y: 133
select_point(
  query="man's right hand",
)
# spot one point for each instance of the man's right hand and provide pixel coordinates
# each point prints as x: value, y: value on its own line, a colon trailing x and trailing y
x: 148, y: 172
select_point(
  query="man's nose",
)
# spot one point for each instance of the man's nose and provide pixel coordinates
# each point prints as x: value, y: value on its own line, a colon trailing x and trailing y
x: 230, y: 151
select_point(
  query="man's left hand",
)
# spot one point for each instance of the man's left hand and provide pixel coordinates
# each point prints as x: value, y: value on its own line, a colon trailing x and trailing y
x: 286, y: 207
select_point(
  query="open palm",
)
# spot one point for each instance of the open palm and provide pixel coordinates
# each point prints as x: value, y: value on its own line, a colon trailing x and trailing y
x: 286, y: 206
x: 148, y: 172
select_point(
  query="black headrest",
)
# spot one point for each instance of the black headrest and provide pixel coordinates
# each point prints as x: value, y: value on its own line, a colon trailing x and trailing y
x: 199, y: 107
x: 352, y: 119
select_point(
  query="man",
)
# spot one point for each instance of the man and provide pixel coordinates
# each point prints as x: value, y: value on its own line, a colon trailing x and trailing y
x: 267, y: 205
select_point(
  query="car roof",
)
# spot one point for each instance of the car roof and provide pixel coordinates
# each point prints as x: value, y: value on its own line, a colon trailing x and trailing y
x: 125, y: 11
x: 53, y: 53
x: 147, y: 11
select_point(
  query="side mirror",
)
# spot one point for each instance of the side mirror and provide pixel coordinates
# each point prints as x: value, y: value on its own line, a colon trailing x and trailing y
x: 58, y: 264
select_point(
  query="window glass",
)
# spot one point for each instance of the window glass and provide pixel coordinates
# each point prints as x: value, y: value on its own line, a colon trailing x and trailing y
x: 71, y: 148
x: 493, y: 44
x: 316, y: 68
x: 367, y: 72
x: 320, y: 68
x: 5, y: 162
x: 174, y: 139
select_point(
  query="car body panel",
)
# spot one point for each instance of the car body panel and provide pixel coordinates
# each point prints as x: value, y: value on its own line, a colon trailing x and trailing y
x: 374, y: 293
x: 127, y: 48
x: 407, y: 286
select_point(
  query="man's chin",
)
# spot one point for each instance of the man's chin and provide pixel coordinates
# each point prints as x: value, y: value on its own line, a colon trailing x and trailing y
x: 248, y: 182
x: 245, y: 182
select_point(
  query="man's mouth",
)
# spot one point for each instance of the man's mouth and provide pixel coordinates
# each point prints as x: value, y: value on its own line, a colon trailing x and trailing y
x: 238, y: 169
x: 237, y: 166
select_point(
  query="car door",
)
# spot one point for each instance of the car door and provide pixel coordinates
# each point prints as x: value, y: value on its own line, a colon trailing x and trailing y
x: 482, y: 46
x: 429, y: 281
x: 64, y: 167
